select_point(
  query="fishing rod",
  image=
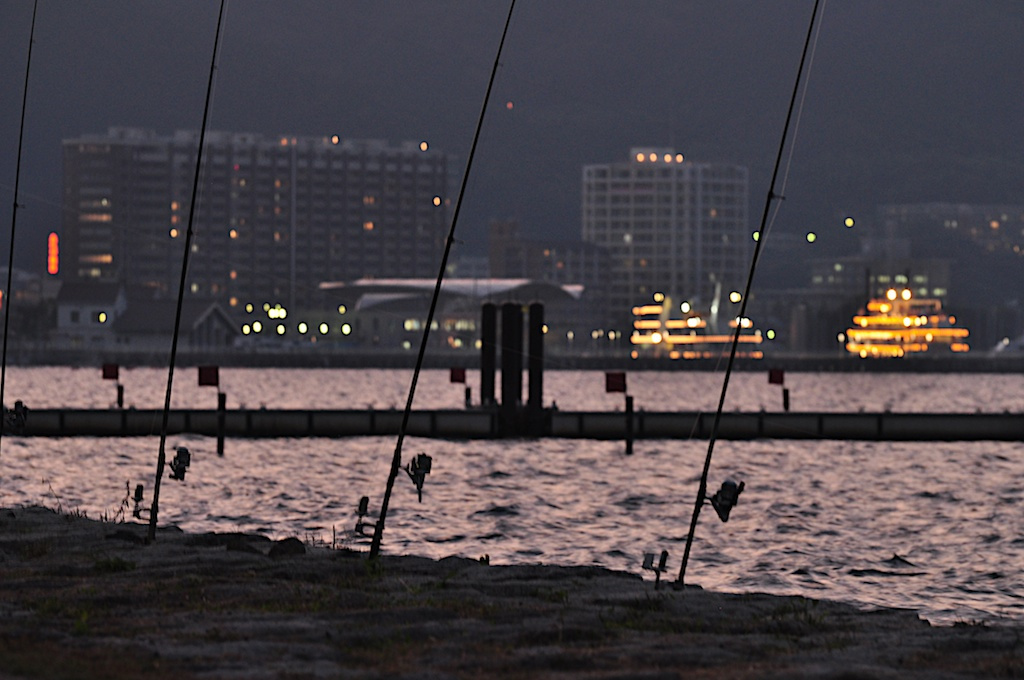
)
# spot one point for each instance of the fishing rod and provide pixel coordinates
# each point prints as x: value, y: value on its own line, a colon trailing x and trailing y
x: 14, y: 221
x: 396, y: 461
x: 161, y: 457
x: 772, y: 196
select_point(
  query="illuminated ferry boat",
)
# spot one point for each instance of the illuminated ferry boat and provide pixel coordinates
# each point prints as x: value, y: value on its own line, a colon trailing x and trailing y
x: 662, y: 329
x: 900, y: 324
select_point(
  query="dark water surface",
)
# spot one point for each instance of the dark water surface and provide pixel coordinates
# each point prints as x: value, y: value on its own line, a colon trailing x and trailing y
x: 937, y: 527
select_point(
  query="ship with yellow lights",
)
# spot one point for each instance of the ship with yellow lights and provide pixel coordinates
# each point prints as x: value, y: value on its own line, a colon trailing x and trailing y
x: 900, y: 325
x: 662, y: 329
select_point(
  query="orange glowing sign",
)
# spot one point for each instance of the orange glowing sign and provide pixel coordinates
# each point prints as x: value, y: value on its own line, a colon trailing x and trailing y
x: 52, y: 253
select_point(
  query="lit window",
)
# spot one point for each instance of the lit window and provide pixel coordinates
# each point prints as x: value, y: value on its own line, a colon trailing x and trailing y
x: 367, y: 226
x: 335, y: 139
x: 423, y: 146
x: 174, y: 233
x: 52, y: 253
x: 233, y: 274
x: 233, y: 233
x: 346, y: 329
x: 640, y: 158
x: 437, y: 200
x: 653, y: 157
x: 280, y: 329
x: 323, y: 329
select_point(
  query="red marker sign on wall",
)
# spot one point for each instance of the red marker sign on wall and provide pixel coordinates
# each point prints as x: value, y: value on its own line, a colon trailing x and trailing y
x: 615, y: 382
x: 208, y: 376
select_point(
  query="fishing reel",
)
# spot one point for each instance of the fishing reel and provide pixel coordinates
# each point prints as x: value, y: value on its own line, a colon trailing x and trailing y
x: 726, y: 498
x: 182, y: 459
x: 418, y: 471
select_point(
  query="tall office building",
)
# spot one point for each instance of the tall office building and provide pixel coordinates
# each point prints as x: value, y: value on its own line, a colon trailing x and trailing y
x: 275, y: 216
x: 671, y: 226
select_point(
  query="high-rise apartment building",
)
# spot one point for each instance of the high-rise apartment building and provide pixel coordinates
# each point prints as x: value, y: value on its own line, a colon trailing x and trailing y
x: 275, y: 216
x: 670, y: 225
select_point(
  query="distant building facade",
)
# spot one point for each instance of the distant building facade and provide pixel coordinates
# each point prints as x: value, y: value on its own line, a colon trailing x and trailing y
x: 995, y: 228
x: 275, y: 216
x: 669, y: 225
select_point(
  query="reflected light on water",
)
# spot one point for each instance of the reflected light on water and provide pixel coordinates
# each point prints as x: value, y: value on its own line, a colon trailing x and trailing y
x: 931, y: 526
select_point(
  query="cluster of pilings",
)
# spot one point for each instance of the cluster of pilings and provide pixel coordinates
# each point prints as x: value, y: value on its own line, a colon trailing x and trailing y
x: 530, y: 418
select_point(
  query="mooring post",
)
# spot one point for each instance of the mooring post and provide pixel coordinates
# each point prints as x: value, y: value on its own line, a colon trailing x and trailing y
x: 629, y: 425
x: 120, y: 395
x: 488, y: 352
x: 511, y: 365
x: 222, y: 401
x: 785, y: 399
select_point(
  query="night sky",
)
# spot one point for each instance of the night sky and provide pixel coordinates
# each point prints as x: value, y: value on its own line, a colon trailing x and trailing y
x: 910, y: 101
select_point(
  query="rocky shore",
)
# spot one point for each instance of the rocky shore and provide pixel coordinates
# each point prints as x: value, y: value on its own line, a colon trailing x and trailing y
x: 81, y: 598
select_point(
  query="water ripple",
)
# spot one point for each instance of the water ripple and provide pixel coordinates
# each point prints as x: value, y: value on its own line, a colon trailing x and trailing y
x: 935, y: 527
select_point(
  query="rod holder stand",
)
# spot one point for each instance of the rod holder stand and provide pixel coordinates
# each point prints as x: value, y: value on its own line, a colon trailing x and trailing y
x: 361, y: 511
x: 658, y: 569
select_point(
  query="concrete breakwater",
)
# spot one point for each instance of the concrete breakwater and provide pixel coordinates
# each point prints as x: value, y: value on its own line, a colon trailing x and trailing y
x: 492, y: 423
